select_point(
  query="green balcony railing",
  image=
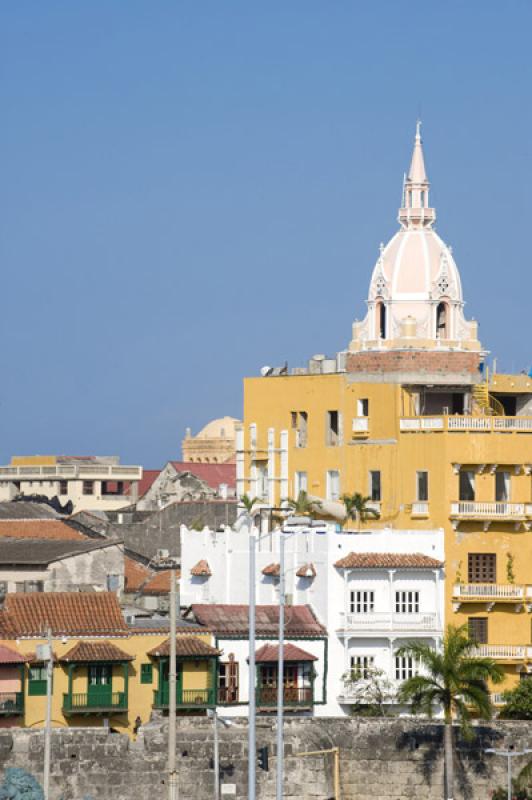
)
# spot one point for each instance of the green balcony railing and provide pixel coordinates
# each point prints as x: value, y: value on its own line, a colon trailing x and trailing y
x: 94, y: 702
x: 11, y: 703
x: 185, y: 698
x: 292, y: 695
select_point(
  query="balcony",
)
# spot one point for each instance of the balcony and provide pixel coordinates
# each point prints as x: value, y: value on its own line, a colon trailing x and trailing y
x: 491, y: 593
x: 11, y: 703
x: 464, y: 424
x: 185, y: 698
x: 504, y: 652
x: 293, y: 696
x: 68, y: 471
x: 360, y: 427
x: 374, y: 622
x: 466, y: 510
x: 420, y: 510
x: 94, y: 702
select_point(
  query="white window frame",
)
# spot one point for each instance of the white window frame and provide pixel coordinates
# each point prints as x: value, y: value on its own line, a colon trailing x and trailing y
x: 333, y: 475
x: 300, y: 482
x: 363, y: 664
x: 405, y: 667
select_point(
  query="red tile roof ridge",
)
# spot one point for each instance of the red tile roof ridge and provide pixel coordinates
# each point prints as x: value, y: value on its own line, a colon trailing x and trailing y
x: 291, y: 652
x: 201, y: 569
x: 388, y: 561
x: 272, y: 569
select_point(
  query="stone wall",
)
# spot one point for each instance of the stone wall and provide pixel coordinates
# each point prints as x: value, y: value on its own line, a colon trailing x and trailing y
x: 379, y: 760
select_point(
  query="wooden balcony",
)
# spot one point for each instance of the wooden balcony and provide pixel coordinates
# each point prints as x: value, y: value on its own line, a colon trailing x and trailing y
x: 11, y: 703
x: 94, y: 703
x: 185, y: 698
x: 293, y: 696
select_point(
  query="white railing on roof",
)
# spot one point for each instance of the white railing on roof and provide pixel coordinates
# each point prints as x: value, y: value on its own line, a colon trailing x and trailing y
x: 71, y: 471
x: 460, y: 422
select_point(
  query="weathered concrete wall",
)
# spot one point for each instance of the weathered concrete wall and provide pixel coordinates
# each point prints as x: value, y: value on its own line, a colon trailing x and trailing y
x: 380, y: 760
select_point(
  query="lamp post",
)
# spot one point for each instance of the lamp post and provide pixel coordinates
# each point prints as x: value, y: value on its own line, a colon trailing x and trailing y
x: 509, y: 755
x: 280, y: 675
x: 48, y: 653
x: 212, y: 713
x: 172, y: 685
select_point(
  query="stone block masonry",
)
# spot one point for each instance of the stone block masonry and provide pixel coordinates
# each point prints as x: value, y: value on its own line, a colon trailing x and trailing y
x: 379, y: 760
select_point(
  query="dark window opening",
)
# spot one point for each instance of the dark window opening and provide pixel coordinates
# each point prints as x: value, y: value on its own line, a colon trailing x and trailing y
x: 442, y: 322
x: 478, y: 629
x: 381, y: 319
x: 508, y: 402
x: 467, y: 486
x: 88, y: 487
x: 375, y: 486
x: 333, y: 428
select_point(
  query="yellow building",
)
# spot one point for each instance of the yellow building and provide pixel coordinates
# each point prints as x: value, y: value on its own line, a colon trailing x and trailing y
x: 105, y: 672
x: 408, y: 416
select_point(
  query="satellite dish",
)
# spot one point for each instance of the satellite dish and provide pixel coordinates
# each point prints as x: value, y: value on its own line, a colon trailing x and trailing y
x: 266, y: 371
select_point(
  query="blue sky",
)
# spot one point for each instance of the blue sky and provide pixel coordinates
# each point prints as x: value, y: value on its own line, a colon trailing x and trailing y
x: 191, y: 190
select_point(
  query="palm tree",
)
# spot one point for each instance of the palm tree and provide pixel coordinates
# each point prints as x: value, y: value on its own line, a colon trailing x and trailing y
x: 357, y: 508
x: 453, y: 679
x: 248, y: 503
x: 303, y: 504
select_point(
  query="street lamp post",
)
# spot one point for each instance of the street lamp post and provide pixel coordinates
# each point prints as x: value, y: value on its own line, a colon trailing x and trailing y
x: 172, y: 685
x: 509, y: 754
x: 212, y: 713
x: 280, y: 674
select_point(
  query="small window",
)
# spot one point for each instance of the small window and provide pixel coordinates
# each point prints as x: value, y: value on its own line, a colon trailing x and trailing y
x: 502, y: 487
x: 113, y: 583
x: 406, y: 602
x: 422, y: 486
x: 300, y: 483
x: 332, y: 433
x: 363, y: 407
x: 404, y: 668
x: 29, y: 587
x: 37, y: 680
x: 146, y: 673
x: 467, y: 486
x: 361, y: 666
x: 63, y: 487
x: 362, y: 601
x: 88, y: 487
x: 375, y: 486
x: 299, y: 426
x: 262, y: 480
x: 333, y: 484
x: 478, y: 629
x: 482, y: 568
x: 381, y: 319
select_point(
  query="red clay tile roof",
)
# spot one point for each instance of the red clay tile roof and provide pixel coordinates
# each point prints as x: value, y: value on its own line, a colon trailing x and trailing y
x: 160, y: 582
x: 270, y: 652
x: 44, y: 529
x: 185, y: 646
x: 306, y: 571
x: 8, y: 656
x: 66, y: 613
x: 149, y: 476
x: 273, y: 570
x: 135, y: 574
x: 201, y: 569
x: 212, y: 474
x: 95, y: 651
x: 233, y: 620
x: 388, y: 561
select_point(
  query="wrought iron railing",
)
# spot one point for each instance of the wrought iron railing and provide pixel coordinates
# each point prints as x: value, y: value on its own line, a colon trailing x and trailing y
x: 11, y: 703
x: 95, y: 701
x: 191, y: 698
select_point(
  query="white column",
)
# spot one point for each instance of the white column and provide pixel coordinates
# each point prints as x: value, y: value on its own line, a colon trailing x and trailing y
x: 271, y: 466
x: 240, y: 481
x: 284, y: 465
x: 437, y: 604
x: 391, y: 573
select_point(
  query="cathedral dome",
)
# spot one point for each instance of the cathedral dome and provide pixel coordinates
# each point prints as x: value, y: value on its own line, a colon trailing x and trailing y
x: 415, y: 293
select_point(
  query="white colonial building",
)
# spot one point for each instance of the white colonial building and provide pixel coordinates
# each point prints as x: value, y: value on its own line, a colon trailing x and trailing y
x: 372, y: 592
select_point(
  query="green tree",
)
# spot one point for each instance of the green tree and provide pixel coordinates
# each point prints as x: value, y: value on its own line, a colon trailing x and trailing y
x: 454, y: 680
x: 357, y: 508
x: 303, y: 505
x: 518, y: 701
x: 370, y: 689
x: 248, y: 503
x: 20, y: 785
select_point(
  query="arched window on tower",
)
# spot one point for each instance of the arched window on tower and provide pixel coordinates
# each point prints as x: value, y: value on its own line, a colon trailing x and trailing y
x: 422, y: 199
x: 380, y: 316
x: 442, y: 321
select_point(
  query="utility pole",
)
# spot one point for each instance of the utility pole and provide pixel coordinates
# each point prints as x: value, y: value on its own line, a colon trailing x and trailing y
x: 280, y: 673
x: 509, y: 754
x: 172, y: 686
x: 48, y: 722
x: 252, y: 709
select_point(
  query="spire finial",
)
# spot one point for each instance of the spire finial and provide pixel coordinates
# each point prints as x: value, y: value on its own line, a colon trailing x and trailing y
x: 418, y: 130
x: 415, y: 211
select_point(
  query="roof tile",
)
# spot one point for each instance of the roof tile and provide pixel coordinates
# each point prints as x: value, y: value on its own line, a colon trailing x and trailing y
x: 135, y: 574
x: 234, y: 620
x: 160, y: 582
x: 8, y: 656
x: 306, y: 571
x: 185, y: 646
x: 201, y: 569
x: 43, y: 529
x: 270, y: 652
x: 388, y: 561
x: 274, y: 570
x: 66, y: 613
x: 95, y: 651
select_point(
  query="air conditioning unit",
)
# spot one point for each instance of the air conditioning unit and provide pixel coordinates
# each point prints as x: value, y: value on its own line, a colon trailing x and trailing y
x: 164, y: 604
x: 162, y: 555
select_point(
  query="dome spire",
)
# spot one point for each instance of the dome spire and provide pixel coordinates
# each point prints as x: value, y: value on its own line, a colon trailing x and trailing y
x: 415, y: 212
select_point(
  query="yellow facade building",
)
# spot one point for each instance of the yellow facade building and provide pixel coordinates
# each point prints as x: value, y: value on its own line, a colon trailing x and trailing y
x: 105, y: 672
x: 408, y: 416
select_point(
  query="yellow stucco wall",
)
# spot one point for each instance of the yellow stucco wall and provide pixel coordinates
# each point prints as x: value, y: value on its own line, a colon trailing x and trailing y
x: 196, y: 675
x: 268, y: 403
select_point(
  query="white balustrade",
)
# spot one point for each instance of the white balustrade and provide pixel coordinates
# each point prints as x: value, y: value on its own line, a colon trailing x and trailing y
x: 420, y: 509
x: 380, y: 621
x: 487, y: 510
x: 489, y: 590
x: 501, y: 652
x: 460, y: 423
x: 70, y: 471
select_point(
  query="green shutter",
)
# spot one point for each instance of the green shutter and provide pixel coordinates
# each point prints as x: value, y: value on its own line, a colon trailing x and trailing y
x: 146, y: 673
